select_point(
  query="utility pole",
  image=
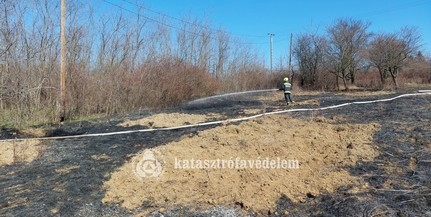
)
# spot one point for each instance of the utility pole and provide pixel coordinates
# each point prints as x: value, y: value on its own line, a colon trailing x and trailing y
x: 63, y: 62
x: 270, y: 49
x: 290, y: 54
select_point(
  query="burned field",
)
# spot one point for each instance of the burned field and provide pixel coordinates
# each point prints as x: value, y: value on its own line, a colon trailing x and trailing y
x: 357, y: 160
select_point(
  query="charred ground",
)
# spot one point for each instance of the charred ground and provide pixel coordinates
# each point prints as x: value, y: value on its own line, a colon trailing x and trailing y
x: 67, y: 177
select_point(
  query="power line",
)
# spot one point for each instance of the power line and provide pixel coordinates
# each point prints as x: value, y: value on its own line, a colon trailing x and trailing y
x: 164, y: 15
x: 211, y: 30
x: 146, y: 17
x: 155, y: 20
x: 187, y: 22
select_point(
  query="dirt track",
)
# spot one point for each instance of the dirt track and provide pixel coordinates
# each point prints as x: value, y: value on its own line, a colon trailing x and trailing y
x: 69, y: 177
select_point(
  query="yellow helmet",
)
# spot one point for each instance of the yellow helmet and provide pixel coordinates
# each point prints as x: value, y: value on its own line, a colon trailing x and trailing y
x: 285, y: 79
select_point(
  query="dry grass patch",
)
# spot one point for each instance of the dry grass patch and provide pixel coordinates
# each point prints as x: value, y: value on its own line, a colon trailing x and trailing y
x: 365, y: 93
x: 19, y: 151
x: 279, y: 97
x: 307, y: 102
x: 170, y: 120
x: 251, y: 111
x: 34, y: 132
x: 66, y: 169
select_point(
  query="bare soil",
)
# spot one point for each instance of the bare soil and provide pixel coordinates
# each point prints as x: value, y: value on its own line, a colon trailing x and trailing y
x: 321, y: 148
x: 358, y: 160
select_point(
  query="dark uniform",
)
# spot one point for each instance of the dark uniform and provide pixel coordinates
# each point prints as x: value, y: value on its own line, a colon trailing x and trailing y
x: 287, y: 87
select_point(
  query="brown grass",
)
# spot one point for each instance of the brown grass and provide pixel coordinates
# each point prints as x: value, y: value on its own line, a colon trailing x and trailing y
x: 170, y: 120
x: 250, y: 80
x: 366, y: 93
x: 34, y: 132
x: 19, y: 151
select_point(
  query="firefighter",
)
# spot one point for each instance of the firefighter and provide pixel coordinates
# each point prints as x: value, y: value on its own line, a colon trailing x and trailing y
x: 287, y: 88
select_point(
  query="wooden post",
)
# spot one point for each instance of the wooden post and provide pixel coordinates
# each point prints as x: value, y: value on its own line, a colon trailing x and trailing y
x: 291, y: 73
x: 63, y: 62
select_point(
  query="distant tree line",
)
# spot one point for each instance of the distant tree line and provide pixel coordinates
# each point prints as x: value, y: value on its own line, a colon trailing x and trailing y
x: 348, y: 48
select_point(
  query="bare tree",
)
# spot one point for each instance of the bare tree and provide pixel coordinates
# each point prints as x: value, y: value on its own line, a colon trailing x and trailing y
x: 346, y: 38
x: 390, y: 52
x: 7, y: 40
x: 139, y: 39
x: 204, y: 46
x: 160, y: 42
x: 308, y: 51
x: 194, y: 40
x: 222, y: 52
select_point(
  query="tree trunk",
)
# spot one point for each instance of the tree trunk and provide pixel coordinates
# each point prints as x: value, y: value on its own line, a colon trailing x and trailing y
x: 382, y: 77
x: 394, y: 75
x: 1, y: 86
x: 345, y: 83
x: 352, y: 78
x: 336, y: 82
x: 394, y: 79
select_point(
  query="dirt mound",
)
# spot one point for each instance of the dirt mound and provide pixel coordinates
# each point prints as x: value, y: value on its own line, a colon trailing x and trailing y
x: 170, y: 120
x: 19, y: 151
x: 220, y: 166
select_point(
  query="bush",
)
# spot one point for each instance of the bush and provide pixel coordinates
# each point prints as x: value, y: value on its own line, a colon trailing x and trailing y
x: 153, y: 85
x: 253, y: 79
